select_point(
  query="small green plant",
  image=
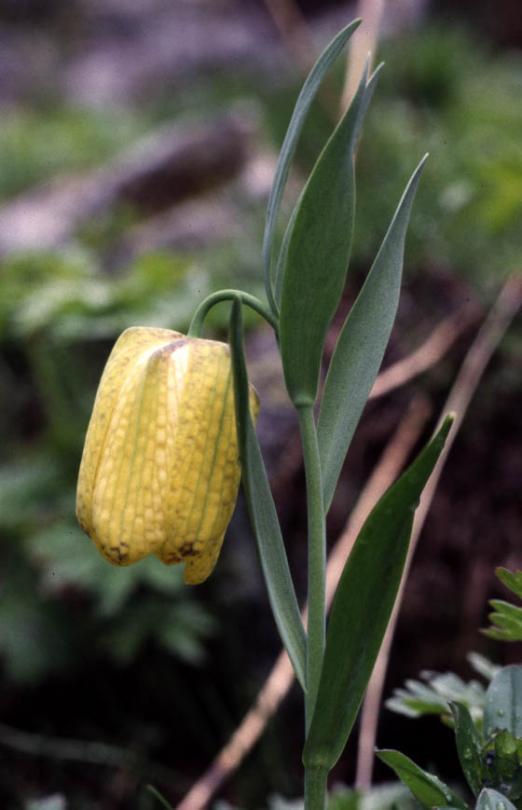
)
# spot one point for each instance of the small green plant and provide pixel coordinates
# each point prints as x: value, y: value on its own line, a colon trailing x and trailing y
x: 172, y: 429
x: 487, y: 724
x: 435, y: 691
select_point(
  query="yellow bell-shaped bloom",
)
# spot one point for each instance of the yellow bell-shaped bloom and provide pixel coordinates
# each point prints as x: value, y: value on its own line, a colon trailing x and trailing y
x: 160, y: 468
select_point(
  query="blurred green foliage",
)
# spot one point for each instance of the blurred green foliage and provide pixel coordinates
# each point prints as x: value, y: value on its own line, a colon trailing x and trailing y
x: 442, y: 92
x: 434, y: 693
x: 68, y: 296
x: 58, y: 318
x: 59, y: 598
x: 36, y: 144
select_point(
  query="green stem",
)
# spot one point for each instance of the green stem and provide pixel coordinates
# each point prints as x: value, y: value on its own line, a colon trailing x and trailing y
x: 316, y: 558
x: 269, y: 291
x: 315, y: 788
x: 196, y: 325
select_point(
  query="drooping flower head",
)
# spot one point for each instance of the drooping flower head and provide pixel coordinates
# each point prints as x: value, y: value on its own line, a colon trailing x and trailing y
x: 160, y: 468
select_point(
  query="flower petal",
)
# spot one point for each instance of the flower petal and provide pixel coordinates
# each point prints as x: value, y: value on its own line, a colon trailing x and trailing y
x: 123, y: 371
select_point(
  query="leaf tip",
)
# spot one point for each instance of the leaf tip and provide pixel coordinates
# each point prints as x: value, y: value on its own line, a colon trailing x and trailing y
x: 376, y: 72
x: 447, y: 423
x: 346, y: 32
x: 366, y: 70
x: 420, y: 167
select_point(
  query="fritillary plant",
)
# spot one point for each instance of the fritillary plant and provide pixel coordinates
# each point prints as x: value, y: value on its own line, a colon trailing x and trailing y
x: 172, y: 432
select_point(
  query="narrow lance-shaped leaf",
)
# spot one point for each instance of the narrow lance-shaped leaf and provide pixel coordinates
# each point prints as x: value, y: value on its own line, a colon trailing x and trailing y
x: 503, y: 709
x: 317, y: 255
x: 283, y: 252
x: 362, y: 607
x: 262, y: 511
x: 304, y: 101
x: 427, y: 788
x: 361, y: 345
x: 469, y: 745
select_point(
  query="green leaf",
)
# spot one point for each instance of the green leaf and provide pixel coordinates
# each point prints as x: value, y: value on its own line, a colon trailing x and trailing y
x: 317, y: 255
x: 506, y: 618
x: 503, y: 765
x: 507, y: 621
x: 263, y: 513
x: 482, y: 665
x: 304, y: 101
x: 511, y: 579
x: 469, y: 746
x: 503, y: 708
x: 283, y: 255
x: 283, y: 252
x: 362, y: 606
x: 434, y: 697
x: 361, y: 345
x: 404, y: 703
x: 490, y: 799
x: 427, y: 788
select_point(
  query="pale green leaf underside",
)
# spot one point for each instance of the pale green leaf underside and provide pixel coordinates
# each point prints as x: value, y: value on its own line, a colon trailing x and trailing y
x: 490, y: 799
x: 435, y: 695
x: 503, y: 702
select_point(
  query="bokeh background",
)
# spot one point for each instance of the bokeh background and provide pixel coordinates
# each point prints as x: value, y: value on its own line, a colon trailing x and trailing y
x: 138, y: 139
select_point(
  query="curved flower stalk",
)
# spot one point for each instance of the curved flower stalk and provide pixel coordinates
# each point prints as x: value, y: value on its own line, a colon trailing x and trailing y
x: 160, y: 469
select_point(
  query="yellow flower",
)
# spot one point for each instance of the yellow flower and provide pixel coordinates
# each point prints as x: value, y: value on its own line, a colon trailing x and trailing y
x: 160, y: 469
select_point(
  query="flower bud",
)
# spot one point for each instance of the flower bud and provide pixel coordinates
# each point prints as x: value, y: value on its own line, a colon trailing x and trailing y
x: 160, y: 467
